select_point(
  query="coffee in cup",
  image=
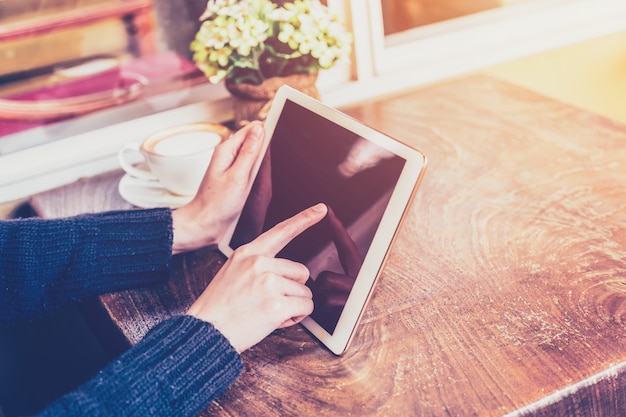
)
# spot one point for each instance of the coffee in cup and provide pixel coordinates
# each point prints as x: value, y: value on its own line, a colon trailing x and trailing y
x: 177, y: 157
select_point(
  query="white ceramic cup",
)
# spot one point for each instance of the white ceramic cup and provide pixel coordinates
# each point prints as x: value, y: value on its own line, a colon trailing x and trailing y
x: 177, y: 157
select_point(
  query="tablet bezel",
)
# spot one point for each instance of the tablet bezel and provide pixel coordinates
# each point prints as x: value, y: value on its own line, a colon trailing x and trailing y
x: 401, y: 197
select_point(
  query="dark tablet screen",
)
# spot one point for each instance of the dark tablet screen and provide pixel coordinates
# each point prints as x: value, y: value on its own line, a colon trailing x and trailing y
x: 310, y: 160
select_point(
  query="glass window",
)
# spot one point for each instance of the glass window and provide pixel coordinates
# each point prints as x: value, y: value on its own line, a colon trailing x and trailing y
x: 93, y: 63
x: 402, y: 15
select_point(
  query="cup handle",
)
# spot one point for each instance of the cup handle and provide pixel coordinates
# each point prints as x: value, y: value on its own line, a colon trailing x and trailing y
x: 130, y: 168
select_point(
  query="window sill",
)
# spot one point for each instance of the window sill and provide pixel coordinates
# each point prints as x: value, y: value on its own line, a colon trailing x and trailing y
x: 53, y: 160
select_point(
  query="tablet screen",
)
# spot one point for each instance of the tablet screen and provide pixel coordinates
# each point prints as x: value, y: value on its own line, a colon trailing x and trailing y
x: 310, y: 159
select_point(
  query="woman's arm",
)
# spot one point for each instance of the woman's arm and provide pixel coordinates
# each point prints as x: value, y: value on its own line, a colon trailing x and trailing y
x: 187, y: 361
x: 178, y: 368
x: 45, y: 264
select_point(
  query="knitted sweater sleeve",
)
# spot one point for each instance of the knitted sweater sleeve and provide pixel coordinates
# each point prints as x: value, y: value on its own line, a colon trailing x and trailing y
x: 181, y: 364
x: 46, y: 263
x: 179, y: 367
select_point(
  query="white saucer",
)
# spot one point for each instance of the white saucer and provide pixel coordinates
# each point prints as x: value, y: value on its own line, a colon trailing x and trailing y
x: 149, y: 194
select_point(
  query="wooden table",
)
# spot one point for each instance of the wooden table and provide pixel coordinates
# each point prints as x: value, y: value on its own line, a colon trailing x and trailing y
x: 505, y: 293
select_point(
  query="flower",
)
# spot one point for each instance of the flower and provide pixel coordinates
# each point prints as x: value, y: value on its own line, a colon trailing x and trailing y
x: 248, y: 41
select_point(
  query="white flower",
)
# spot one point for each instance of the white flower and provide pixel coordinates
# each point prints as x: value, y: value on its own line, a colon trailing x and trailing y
x: 245, y: 35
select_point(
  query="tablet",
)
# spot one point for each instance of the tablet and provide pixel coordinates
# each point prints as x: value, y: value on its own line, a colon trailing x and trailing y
x: 314, y: 153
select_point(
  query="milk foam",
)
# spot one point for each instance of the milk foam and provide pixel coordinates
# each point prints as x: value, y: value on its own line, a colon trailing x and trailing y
x: 186, y: 143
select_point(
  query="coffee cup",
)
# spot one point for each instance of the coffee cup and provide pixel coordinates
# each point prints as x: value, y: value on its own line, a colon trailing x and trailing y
x: 177, y: 157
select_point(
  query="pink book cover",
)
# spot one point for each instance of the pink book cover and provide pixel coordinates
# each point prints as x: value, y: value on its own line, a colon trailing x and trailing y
x: 145, y: 76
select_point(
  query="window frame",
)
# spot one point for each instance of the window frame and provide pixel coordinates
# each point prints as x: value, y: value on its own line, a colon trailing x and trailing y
x: 466, y: 44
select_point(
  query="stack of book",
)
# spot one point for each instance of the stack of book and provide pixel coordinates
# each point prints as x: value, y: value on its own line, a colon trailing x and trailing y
x: 36, y: 35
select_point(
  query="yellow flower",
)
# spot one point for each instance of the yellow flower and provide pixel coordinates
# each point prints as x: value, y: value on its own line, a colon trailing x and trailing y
x: 220, y: 56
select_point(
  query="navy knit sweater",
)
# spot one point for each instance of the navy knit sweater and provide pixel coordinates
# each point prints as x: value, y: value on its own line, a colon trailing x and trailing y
x: 179, y: 367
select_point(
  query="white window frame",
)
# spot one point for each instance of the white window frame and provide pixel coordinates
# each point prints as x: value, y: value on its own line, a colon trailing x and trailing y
x: 383, y: 65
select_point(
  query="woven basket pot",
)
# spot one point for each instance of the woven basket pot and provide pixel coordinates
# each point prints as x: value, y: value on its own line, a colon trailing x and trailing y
x: 252, y: 102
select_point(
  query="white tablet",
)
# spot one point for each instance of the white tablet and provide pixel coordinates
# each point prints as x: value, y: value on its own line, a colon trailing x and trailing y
x: 314, y: 153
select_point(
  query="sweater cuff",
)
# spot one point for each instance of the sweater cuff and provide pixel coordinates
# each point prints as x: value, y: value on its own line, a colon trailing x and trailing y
x: 180, y: 366
x: 129, y: 249
x: 46, y: 263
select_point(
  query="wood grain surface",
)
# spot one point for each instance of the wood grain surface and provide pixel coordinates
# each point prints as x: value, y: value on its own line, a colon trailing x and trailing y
x: 504, y: 294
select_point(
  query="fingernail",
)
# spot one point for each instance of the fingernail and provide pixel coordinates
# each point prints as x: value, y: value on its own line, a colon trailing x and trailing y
x: 319, y: 207
x: 256, y: 132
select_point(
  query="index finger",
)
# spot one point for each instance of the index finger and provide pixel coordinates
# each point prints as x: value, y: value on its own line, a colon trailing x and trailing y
x: 272, y: 241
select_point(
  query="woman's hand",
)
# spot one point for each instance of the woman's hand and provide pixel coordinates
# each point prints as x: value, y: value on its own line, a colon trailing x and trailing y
x: 255, y: 293
x: 222, y: 193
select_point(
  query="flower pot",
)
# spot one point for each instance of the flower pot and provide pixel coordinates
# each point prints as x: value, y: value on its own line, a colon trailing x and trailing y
x: 252, y: 102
